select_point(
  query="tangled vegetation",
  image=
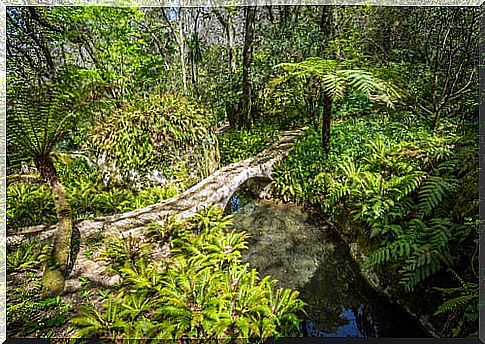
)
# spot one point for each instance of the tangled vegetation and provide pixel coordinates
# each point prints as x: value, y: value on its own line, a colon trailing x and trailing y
x: 399, y: 191
x: 164, y: 132
x: 30, y: 202
x: 112, y: 110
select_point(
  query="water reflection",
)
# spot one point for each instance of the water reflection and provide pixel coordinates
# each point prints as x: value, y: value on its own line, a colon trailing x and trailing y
x: 340, y: 303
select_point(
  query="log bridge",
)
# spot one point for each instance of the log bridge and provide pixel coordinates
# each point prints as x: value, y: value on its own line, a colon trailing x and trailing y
x: 215, y: 190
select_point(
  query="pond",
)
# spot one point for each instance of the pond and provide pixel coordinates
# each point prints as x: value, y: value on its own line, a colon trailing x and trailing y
x: 286, y: 244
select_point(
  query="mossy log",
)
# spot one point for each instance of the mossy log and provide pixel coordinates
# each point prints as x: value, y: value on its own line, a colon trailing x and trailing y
x: 215, y: 190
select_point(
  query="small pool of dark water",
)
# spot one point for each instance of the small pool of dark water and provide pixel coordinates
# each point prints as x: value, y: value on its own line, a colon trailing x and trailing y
x: 285, y: 244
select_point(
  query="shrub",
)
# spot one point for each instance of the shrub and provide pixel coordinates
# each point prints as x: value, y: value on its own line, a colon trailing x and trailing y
x: 168, y: 133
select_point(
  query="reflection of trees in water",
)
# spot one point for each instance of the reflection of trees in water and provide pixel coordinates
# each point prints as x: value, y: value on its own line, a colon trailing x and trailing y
x: 339, y: 301
x: 327, y: 291
x: 365, y: 322
x: 333, y: 288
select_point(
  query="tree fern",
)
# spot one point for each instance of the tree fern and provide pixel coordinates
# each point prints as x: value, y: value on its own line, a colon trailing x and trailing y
x: 336, y: 79
x: 37, y: 119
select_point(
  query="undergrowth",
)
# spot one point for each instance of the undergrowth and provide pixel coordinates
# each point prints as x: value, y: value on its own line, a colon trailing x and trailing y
x: 199, y: 289
x: 407, y: 194
x: 239, y: 145
x: 30, y: 202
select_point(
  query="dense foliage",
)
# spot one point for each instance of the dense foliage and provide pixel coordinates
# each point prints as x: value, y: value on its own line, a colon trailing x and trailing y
x: 200, y: 290
x: 239, y: 145
x: 400, y: 194
x: 114, y: 109
x: 30, y: 203
x: 161, y: 132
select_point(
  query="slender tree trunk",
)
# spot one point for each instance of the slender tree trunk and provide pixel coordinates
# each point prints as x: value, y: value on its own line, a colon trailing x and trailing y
x: 232, y: 47
x: 247, y: 57
x: 327, y: 27
x: 57, y: 266
x: 182, y: 55
x: 227, y: 22
x: 231, y: 109
x: 326, y: 120
x: 195, y: 57
x: 436, y: 119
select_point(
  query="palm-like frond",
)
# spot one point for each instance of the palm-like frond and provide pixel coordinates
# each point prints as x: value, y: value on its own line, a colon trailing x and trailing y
x: 335, y: 78
x: 37, y: 119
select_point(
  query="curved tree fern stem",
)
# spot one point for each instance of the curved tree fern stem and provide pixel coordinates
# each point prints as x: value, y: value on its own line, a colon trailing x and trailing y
x: 56, y: 268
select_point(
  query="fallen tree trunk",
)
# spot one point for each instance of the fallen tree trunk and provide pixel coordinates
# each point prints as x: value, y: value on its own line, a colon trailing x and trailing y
x: 215, y: 190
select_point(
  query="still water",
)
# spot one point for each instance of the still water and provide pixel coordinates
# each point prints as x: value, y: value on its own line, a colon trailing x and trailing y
x: 287, y: 245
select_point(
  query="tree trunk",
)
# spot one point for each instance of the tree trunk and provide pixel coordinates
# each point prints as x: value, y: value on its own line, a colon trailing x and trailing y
x: 247, y: 57
x: 182, y: 54
x: 327, y: 28
x: 195, y: 56
x: 232, y: 48
x: 326, y: 120
x: 436, y: 119
x: 56, y: 269
x: 227, y: 22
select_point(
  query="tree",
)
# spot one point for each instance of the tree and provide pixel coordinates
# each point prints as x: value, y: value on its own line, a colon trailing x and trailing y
x: 37, y: 119
x: 250, y: 14
x: 435, y: 49
x: 226, y: 19
x: 334, y: 80
x: 451, y: 53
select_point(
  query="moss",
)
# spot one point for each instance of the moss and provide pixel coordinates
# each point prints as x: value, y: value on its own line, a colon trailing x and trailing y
x: 56, y: 269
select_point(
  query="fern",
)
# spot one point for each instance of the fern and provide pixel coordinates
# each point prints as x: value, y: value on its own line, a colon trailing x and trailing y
x: 336, y: 79
x: 452, y: 304
x: 201, y: 291
x: 397, y: 249
x: 400, y: 187
x: 37, y: 119
x: 432, y: 193
x: 465, y: 303
x: 420, y: 266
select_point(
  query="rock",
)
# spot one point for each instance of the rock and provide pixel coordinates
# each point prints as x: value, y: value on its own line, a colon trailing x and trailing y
x: 114, y: 280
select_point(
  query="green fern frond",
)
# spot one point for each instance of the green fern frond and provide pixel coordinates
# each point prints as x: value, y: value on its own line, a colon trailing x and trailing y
x: 458, y: 301
x: 37, y: 119
x: 432, y: 192
x: 419, y: 267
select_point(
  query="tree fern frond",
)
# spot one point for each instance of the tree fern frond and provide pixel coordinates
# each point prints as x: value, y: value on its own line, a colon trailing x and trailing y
x: 37, y: 119
x: 333, y: 85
